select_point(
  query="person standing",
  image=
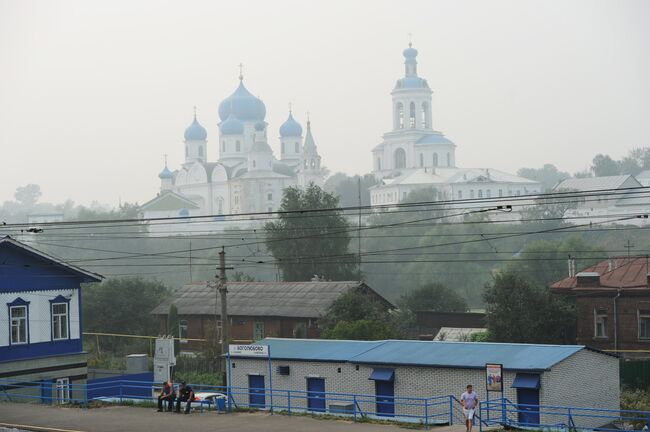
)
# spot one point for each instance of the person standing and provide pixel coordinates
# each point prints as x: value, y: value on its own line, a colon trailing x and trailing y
x: 185, y: 394
x: 166, y: 394
x: 469, y: 401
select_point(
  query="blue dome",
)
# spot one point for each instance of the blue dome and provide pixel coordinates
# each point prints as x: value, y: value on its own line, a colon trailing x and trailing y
x: 243, y: 105
x: 260, y: 126
x: 290, y: 128
x: 412, y: 82
x: 184, y: 212
x: 165, y: 173
x: 410, y: 53
x: 231, y: 126
x: 195, y: 132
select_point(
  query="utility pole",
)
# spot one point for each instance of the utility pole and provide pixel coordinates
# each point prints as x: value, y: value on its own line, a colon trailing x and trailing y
x: 221, y: 297
x: 359, y: 229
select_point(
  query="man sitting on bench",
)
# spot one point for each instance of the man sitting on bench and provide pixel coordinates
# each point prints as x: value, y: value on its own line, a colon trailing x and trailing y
x: 185, y: 394
x: 166, y: 394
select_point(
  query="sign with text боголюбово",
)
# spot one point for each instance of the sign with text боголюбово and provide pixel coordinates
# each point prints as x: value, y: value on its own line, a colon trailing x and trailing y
x: 249, y: 350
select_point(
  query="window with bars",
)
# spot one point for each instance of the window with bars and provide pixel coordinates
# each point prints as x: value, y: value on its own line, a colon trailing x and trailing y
x: 59, y: 321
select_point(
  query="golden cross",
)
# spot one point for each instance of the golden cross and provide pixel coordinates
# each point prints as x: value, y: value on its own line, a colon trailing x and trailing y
x: 241, y: 71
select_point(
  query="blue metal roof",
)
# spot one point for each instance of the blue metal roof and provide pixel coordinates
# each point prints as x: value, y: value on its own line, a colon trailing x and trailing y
x: 524, y: 380
x: 423, y: 353
x: 382, y: 374
x: 436, y: 138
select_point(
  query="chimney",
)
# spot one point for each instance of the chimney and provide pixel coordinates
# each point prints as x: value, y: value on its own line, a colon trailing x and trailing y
x: 572, y: 267
x: 610, y: 265
x: 588, y: 279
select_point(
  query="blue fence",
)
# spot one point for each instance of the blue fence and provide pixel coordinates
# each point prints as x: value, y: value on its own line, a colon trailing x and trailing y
x: 104, y: 387
x: 436, y: 410
x: 503, y: 412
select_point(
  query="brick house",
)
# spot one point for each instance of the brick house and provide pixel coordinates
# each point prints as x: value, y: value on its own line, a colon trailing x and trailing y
x: 533, y: 374
x: 256, y: 309
x: 612, y: 304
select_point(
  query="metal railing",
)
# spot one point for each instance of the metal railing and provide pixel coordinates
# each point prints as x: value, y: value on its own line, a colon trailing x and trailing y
x: 427, y: 411
x: 504, y: 412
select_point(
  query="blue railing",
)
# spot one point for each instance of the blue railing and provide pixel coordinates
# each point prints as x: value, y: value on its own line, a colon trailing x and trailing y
x: 504, y: 412
x: 430, y: 411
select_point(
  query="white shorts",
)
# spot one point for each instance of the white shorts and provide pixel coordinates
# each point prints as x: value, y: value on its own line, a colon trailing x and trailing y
x: 469, y: 413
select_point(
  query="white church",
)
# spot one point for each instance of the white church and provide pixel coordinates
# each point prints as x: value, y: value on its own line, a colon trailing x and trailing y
x: 247, y: 177
x: 414, y: 156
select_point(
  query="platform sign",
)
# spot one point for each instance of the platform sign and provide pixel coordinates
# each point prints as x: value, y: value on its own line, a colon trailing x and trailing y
x: 494, y: 377
x: 249, y: 350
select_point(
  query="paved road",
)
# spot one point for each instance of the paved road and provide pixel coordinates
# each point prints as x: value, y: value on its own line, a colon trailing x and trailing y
x: 120, y: 418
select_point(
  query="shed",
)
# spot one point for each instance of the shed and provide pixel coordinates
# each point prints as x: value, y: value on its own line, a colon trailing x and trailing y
x: 532, y: 373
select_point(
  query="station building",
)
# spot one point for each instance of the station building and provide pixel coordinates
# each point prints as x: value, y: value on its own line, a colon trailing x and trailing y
x: 388, y: 371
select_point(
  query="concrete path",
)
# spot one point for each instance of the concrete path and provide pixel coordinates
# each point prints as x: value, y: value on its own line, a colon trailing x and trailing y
x: 120, y: 418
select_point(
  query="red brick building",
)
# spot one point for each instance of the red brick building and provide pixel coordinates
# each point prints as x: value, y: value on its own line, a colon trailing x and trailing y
x: 613, y: 305
x: 256, y: 309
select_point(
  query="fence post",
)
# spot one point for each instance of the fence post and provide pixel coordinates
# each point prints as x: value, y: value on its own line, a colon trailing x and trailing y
x: 86, y: 395
x: 120, y: 391
x: 426, y: 414
x: 568, y: 418
x: 451, y: 410
x: 504, y: 419
x: 354, y: 401
x: 289, y: 402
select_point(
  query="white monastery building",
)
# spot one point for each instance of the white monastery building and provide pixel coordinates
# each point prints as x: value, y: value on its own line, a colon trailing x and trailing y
x: 247, y: 177
x: 413, y: 155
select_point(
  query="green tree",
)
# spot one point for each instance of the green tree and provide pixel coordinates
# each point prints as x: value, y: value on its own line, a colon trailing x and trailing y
x: 361, y: 330
x: 603, y: 165
x: 28, y: 195
x: 433, y: 296
x: 122, y: 305
x: 548, y: 175
x: 517, y: 311
x: 358, y: 315
x: 311, y: 243
x: 347, y: 188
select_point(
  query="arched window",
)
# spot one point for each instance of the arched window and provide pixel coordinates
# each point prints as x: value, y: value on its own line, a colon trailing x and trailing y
x: 378, y: 164
x: 400, y: 158
x: 238, y: 146
x: 253, y: 163
x: 421, y: 160
x: 282, y: 147
x: 223, y: 146
x: 399, y: 116
x: 200, y: 151
x: 435, y: 159
x: 297, y: 147
x: 448, y: 159
x: 186, y: 151
x: 412, y: 115
x: 313, y: 163
x: 425, y: 115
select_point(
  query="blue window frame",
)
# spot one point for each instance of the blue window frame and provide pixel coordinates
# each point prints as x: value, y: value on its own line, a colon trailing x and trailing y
x: 18, y: 322
x: 60, y: 318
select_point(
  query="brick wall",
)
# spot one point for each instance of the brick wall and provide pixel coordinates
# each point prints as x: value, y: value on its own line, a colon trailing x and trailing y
x: 628, y: 324
x: 586, y: 379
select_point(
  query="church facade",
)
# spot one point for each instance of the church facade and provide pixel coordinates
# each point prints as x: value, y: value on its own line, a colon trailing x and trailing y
x: 247, y: 177
x: 413, y: 155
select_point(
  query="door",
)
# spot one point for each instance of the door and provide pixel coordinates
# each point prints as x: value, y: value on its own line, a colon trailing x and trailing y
x: 384, y: 395
x: 316, y: 394
x: 528, y: 415
x: 256, y: 391
x: 62, y: 390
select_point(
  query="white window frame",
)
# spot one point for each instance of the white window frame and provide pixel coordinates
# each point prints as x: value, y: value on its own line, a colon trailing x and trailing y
x: 182, y: 330
x: 62, y: 390
x: 18, y: 320
x: 601, y: 313
x: 643, y: 314
x: 62, y: 322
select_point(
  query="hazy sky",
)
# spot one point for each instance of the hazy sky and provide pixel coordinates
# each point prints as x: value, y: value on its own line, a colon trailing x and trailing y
x: 93, y: 93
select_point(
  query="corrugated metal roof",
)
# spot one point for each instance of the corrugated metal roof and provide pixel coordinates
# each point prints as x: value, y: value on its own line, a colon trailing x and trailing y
x: 597, y: 183
x: 286, y: 299
x: 423, y: 353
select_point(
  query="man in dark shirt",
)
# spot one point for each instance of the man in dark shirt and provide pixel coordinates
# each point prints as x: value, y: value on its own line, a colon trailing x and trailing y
x: 185, y: 394
x: 166, y: 394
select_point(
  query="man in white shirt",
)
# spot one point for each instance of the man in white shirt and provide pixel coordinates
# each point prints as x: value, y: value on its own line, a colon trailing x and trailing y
x: 469, y: 401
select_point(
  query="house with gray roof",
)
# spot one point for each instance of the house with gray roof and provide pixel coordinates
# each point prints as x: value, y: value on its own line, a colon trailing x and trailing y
x: 257, y: 309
